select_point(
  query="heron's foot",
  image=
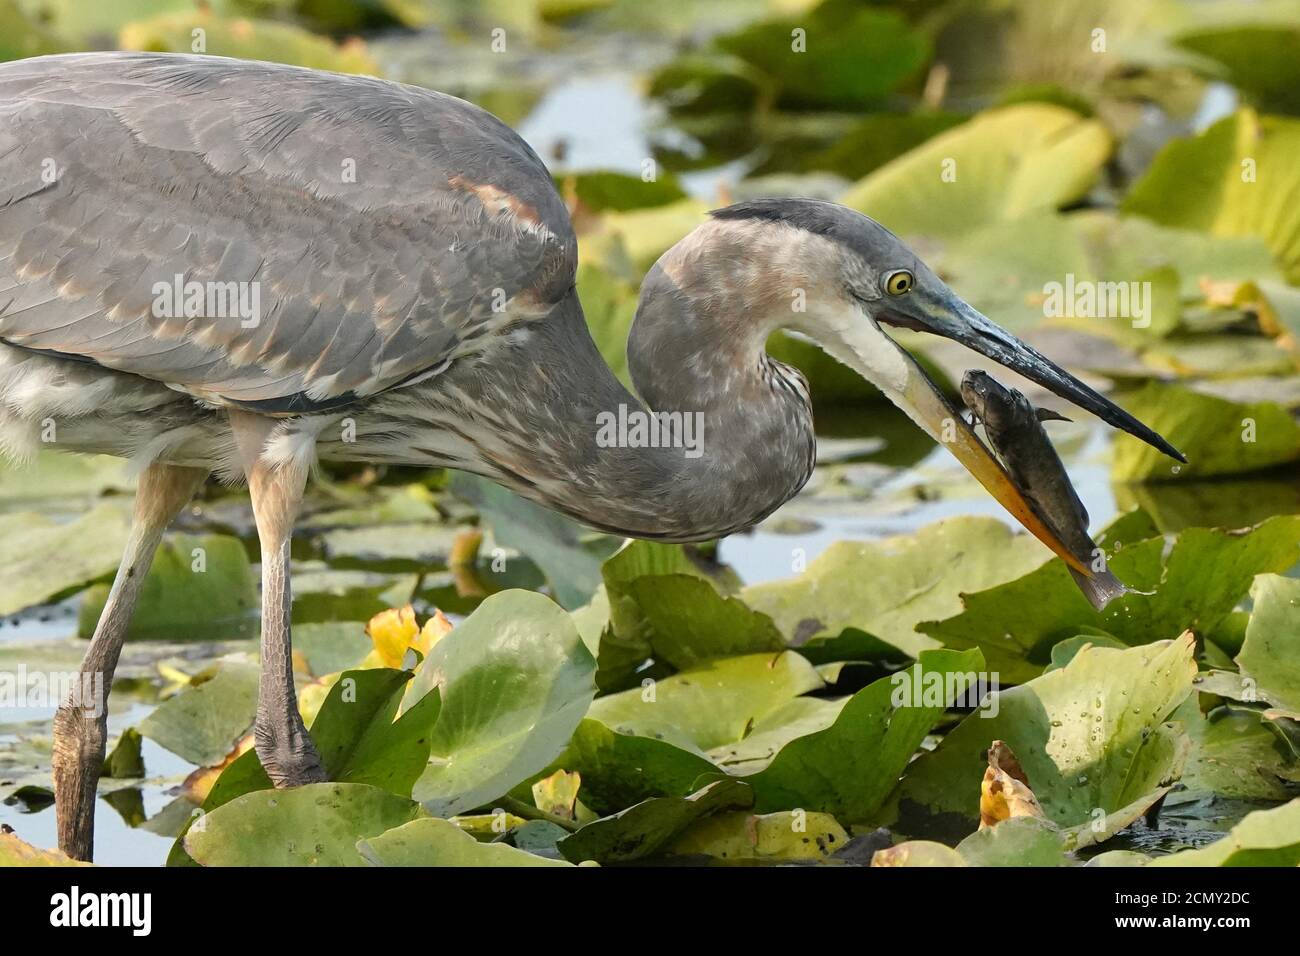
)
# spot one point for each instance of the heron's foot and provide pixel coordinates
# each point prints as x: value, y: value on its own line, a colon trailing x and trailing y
x: 80, y: 740
x: 288, y: 756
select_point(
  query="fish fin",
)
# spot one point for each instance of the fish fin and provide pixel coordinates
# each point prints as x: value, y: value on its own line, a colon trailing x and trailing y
x: 1047, y: 415
x: 1101, y: 588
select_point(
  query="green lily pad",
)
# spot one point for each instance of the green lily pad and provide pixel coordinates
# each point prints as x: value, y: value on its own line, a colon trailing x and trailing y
x: 1004, y: 164
x: 51, y: 474
x: 1091, y: 738
x: 203, y: 722
x: 796, y: 718
x: 316, y: 825
x: 712, y: 704
x: 848, y: 60
x: 1262, y: 838
x: 643, y: 830
x: 1235, y: 754
x: 600, y: 190
x: 1022, y: 841
x: 886, y: 587
x: 515, y: 680
x: 850, y: 768
x: 1226, y: 182
x: 360, y: 742
x: 199, y: 587
x: 918, y: 853
x: 246, y: 39
x: 1197, y: 585
x: 1261, y: 61
x: 1218, y: 437
x: 619, y: 769
x: 631, y: 635
x: 43, y: 559
x: 332, y: 646
x: 1271, y: 652
x: 124, y: 761
x: 738, y: 835
x: 16, y: 852
x: 433, y: 842
x: 688, y: 622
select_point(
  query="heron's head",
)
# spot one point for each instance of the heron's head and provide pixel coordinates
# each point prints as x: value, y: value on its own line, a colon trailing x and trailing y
x: 864, y: 277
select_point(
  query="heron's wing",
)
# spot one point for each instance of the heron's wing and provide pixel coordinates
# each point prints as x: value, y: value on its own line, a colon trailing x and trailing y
x: 377, y: 230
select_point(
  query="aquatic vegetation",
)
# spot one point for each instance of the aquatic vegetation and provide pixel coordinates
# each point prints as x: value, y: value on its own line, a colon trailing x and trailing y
x: 489, y: 684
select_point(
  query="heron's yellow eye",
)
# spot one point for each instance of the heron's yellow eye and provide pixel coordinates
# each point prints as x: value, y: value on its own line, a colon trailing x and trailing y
x: 899, y: 283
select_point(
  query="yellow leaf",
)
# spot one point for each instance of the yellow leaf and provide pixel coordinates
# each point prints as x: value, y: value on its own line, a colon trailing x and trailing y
x: 1004, y: 792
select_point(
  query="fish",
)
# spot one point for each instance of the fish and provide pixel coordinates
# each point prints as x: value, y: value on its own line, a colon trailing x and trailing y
x: 1014, y: 428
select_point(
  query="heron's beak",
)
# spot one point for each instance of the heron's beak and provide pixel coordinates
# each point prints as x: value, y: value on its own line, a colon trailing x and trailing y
x: 882, y: 361
x: 947, y: 315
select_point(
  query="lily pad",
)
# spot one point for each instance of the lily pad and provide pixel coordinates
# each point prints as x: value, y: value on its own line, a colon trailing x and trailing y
x: 643, y: 830
x: 850, y: 768
x: 433, y: 842
x: 1219, y: 437
x: 1003, y: 164
x: 203, y: 721
x: 199, y: 587
x: 1197, y: 584
x: 1091, y: 738
x: 360, y: 742
x: 246, y: 39
x: 846, y: 60
x: 1235, y: 754
x: 619, y: 769
x: 1226, y: 182
x: 16, y: 852
x: 1271, y: 652
x: 515, y: 680
x: 797, y: 718
x: 886, y: 587
x: 43, y: 559
x: 316, y: 825
x: 738, y: 835
x: 712, y: 704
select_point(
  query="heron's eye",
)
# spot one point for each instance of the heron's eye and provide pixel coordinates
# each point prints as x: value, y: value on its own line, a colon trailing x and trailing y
x: 898, y: 283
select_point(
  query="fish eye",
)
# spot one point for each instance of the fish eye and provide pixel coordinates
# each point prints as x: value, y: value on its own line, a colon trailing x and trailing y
x: 898, y: 283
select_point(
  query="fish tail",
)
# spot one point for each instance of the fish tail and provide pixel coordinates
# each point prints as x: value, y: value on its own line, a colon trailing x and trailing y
x: 1101, y: 588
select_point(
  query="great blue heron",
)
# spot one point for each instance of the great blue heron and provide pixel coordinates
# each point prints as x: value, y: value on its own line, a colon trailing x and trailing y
x: 414, y: 268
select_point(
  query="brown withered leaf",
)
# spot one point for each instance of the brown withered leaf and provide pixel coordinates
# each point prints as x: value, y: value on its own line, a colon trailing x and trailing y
x: 1005, y: 792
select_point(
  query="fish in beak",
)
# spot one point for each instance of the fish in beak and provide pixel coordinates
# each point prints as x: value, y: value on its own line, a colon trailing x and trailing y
x: 928, y: 305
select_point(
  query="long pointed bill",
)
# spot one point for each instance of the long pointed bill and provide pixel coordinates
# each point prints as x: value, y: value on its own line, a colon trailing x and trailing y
x: 882, y: 361
x: 952, y: 318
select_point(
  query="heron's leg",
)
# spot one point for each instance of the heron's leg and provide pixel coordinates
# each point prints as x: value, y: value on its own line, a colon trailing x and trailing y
x: 281, y: 739
x: 80, y: 724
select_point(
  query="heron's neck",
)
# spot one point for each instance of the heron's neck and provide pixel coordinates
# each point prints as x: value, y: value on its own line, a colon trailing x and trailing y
x: 727, y: 437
